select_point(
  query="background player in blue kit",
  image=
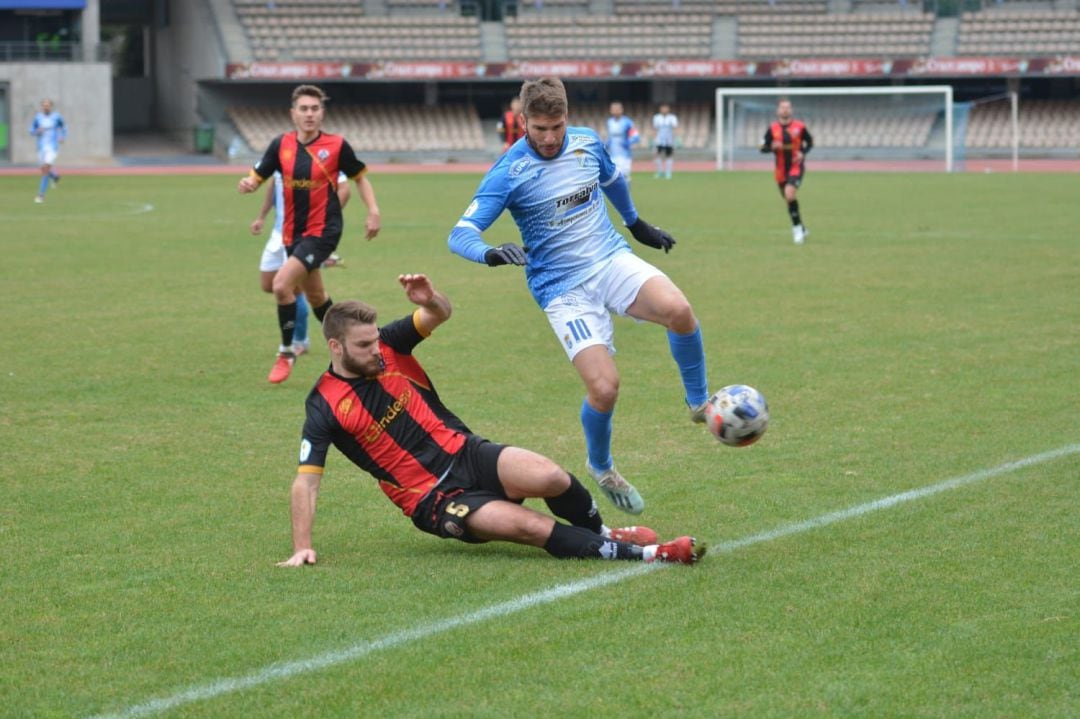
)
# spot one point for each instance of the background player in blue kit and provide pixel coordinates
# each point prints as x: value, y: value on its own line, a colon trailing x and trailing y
x: 622, y: 135
x: 49, y: 129
x: 578, y: 267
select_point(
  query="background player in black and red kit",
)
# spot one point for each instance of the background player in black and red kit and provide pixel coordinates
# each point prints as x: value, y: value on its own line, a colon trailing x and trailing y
x: 790, y: 140
x: 378, y: 406
x: 510, y: 127
x: 309, y: 161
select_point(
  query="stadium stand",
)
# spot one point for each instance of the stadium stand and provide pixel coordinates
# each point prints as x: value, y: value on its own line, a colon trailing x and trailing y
x: 722, y: 7
x: 375, y: 128
x: 608, y: 37
x: 786, y: 8
x: 880, y: 34
x: 422, y: 6
x: 645, y: 30
x: 844, y: 122
x: 547, y: 7
x: 1044, y: 124
x: 339, y: 31
x: 1016, y: 31
x: 695, y: 120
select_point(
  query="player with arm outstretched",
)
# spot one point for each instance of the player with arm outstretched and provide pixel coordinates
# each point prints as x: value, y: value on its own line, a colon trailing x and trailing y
x: 578, y: 267
x: 379, y: 408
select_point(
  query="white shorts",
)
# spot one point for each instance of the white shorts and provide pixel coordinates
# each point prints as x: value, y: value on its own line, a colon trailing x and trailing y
x: 582, y: 317
x: 47, y: 156
x: 273, y: 256
x: 625, y: 165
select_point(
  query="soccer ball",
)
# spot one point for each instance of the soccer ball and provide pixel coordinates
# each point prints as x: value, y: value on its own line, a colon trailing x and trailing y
x: 737, y: 415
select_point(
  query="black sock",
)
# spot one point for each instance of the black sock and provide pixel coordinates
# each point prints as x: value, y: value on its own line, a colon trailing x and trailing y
x: 576, y: 506
x: 579, y: 543
x: 286, y: 315
x: 320, y: 311
x: 793, y: 210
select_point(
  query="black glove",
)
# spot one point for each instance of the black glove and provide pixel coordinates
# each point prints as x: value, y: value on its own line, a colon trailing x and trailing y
x: 505, y: 254
x: 652, y: 236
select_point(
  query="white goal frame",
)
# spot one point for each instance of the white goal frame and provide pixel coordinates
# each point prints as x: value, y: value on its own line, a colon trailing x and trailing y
x: 725, y: 94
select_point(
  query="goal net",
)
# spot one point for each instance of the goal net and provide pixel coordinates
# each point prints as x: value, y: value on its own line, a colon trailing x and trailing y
x: 874, y: 123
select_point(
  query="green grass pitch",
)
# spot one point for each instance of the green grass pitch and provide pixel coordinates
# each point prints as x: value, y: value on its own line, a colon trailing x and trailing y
x: 928, y: 330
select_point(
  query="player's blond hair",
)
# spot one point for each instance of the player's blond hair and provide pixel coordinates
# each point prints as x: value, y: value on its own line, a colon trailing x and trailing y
x: 343, y: 315
x: 545, y: 96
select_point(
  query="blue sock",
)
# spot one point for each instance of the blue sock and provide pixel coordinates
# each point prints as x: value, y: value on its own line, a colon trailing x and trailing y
x: 43, y: 185
x: 689, y: 354
x: 300, y: 330
x: 597, y: 426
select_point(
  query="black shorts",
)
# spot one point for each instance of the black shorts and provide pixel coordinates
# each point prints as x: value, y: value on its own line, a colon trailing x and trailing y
x: 793, y: 180
x: 472, y: 482
x: 312, y: 251
x: 665, y: 150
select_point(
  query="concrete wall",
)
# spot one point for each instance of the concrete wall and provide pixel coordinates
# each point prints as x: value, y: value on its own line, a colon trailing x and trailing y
x: 133, y: 104
x: 187, y: 50
x: 81, y: 92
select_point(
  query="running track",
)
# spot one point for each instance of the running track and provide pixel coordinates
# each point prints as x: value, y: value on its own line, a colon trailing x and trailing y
x: 478, y: 168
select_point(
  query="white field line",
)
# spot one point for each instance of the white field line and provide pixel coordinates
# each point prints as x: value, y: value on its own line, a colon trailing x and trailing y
x: 286, y: 670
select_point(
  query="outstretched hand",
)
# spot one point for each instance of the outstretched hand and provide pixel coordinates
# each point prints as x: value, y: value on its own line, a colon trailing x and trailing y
x: 651, y: 235
x: 299, y: 559
x: 418, y: 288
x: 505, y: 254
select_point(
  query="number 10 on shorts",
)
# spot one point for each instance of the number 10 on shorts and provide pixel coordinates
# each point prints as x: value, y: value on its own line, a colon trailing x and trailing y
x: 579, y: 331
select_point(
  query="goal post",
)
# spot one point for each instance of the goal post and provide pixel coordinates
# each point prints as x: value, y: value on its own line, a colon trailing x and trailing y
x: 893, y: 122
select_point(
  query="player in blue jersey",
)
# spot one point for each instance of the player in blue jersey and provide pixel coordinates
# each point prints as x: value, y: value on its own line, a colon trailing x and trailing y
x: 622, y: 135
x: 274, y: 256
x: 578, y: 267
x: 49, y: 129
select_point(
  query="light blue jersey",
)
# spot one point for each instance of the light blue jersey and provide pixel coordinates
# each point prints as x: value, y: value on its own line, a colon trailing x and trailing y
x: 558, y: 205
x: 49, y: 131
x: 622, y: 135
x: 279, y: 203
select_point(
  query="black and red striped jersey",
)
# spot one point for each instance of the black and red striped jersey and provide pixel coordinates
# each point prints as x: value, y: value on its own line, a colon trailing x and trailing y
x: 792, y: 136
x: 394, y: 426
x: 309, y: 174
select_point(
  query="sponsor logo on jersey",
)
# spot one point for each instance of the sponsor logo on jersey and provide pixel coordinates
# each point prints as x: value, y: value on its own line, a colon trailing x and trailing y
x: 519, y: 167
x: 576, y: 198
x: 393, y: 412
x: 471, y: 208
x: 345, y: 406
x: 578, y: 141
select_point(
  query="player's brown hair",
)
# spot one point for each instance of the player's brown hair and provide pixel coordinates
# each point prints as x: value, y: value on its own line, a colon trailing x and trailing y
x: 342, y: 315
x: 309, y: 91
x: 545, y: 96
